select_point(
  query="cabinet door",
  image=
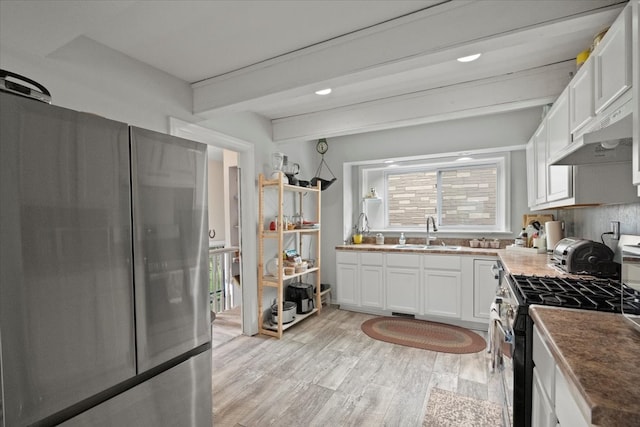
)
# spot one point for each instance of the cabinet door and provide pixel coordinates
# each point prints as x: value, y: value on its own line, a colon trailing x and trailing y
x: 612, y: 62
x: 372, y: 280
x: 559, y: 178
x: 542, y: 413
x: 540, y: 153
x: 566, y: 406
x: 484, y: 287
x: 347, y: 278
x: 442, y: 293
x: 581, y: 105
x: 402, y: 289
x: 558, y: 124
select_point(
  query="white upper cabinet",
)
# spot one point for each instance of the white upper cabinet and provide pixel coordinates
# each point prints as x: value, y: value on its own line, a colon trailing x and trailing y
x: 612, y: 62
x: 558, y: 135
x: 581, y: 102
x: 559, y: 178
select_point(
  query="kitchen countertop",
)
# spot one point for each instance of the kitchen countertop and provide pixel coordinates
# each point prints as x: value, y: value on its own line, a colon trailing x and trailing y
x: 529, y: 264
x: 599, y: 353
x: 515, y: 262
x: 365, y: 247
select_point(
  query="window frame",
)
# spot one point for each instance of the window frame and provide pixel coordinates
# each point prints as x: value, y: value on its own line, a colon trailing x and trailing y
x: 501, y: 160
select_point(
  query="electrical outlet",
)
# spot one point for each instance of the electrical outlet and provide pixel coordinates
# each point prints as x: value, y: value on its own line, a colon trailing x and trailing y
x: 615, y: 230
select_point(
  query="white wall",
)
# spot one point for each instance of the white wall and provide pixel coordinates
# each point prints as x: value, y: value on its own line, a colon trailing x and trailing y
x: 508, y: 129
x: 87, y: 76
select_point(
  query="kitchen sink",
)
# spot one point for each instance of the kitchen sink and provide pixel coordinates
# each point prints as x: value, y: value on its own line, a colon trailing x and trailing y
x: 429, y: 247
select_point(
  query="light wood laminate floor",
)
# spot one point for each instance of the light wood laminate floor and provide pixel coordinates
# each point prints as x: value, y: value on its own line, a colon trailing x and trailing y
x: 326, y: 372
x: 226, y: 326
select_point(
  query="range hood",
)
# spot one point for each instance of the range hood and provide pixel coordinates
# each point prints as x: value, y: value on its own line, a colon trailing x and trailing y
x: 607, y: 139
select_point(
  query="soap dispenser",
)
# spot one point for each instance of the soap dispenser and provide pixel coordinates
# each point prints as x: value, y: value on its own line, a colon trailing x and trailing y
x: 402, y: 240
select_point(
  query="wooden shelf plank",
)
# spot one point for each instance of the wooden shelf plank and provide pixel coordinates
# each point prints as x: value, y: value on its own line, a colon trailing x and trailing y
x: 299, y: 318
x: 274, y: 279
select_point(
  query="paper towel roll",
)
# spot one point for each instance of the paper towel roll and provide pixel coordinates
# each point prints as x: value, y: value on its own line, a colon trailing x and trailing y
x: 555, y: 232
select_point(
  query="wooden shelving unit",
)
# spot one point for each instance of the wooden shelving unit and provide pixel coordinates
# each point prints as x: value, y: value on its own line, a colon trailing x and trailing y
x: 278, y: 282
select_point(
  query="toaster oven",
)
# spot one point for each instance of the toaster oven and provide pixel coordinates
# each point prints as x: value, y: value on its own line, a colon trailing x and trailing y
x: 581, y: 256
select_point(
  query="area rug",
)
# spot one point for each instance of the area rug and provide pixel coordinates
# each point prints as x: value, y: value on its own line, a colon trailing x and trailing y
x: 448, y: 409
x: 423, y: 334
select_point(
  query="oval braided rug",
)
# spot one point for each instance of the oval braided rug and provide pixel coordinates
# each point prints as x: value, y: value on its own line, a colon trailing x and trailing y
x: 424, y: 334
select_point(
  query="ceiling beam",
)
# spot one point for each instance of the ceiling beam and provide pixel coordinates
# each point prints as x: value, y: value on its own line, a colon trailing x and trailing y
x: 520, y: 90
x: 390, y: 47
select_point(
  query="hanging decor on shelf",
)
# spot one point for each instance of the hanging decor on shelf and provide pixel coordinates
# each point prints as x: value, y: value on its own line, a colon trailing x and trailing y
x: 322, y: 147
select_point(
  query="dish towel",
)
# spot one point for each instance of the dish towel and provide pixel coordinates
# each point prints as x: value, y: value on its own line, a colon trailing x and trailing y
x: 494, y: 318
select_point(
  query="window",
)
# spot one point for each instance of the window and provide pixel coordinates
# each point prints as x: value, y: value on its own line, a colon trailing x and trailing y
x: 461, y: 195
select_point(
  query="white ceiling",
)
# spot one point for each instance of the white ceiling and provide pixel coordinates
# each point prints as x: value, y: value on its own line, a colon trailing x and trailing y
x: 269, y: 56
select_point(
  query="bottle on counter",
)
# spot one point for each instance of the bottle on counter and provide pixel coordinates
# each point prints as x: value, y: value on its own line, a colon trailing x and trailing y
x: 522, y: 239
x: 402, y: 240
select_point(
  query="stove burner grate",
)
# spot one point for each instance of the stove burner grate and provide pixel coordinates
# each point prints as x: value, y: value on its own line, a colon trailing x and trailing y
x: 588, y: 294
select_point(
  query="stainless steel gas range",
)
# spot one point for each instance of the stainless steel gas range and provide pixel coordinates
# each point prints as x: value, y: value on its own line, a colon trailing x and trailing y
x: 519, y: 292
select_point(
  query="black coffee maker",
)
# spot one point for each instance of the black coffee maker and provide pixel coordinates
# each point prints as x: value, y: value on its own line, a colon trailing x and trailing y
x: 302, y: 295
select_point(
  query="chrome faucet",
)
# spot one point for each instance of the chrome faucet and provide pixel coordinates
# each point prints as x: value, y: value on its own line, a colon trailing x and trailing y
x: 435, y: 228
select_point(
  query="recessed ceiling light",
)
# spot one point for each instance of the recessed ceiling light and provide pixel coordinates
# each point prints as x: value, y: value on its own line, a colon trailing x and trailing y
x: 326, y: 91
x: 469, y: 58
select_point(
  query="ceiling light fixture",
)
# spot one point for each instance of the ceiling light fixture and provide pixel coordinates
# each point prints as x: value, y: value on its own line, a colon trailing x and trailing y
x: 388, y: 161
x: 326, y: 91
x: 469, y: 58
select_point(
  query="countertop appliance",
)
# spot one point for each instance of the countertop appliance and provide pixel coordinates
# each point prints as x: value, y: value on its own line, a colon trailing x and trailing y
x: 581, y: 256
x: 515, y: 295
x: 302, y: 295
x: 104, y: 307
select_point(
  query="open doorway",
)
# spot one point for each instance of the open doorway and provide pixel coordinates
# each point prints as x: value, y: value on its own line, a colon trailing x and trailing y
x: 225, y: 269
x: 238, y: 176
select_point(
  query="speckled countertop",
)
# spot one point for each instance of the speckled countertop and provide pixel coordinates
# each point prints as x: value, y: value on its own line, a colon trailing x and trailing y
x: 600, y: 354
x: 365, y: 247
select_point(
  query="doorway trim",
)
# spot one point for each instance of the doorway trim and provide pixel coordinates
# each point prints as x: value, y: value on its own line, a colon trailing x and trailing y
x: 248, y: 215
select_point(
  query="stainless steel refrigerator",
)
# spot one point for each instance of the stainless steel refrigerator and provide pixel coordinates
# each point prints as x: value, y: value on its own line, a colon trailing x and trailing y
x: 104, y: 306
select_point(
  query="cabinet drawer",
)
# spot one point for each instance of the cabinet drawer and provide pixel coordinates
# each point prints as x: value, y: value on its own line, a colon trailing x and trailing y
x: 370, y: 258
x: 442, y: 262
x: 402, y: 260
x: 544, y: 364
x: 347, y: 257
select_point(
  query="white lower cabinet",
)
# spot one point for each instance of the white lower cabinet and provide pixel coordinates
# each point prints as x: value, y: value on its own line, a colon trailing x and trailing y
x: 372, y: 280
x: 447, y: 286
x: 441, y: 284
x: 402, y: 281
x: 543, y: 388
x: 553, y: 401
x: 347, y: 278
